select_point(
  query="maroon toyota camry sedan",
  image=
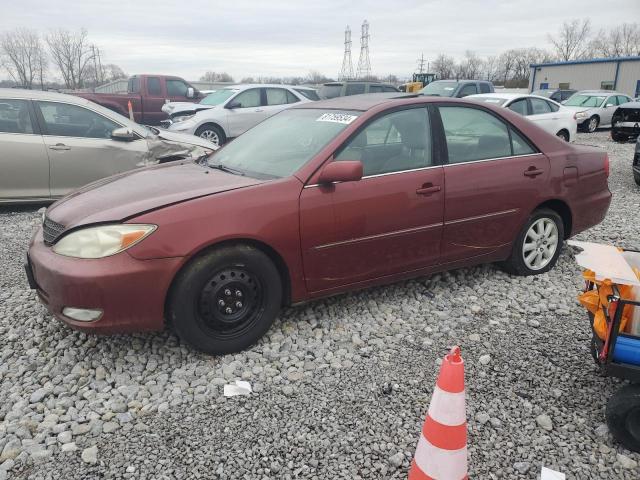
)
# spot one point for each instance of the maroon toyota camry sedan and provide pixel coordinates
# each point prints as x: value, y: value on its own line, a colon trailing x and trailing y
x: 322, y: 198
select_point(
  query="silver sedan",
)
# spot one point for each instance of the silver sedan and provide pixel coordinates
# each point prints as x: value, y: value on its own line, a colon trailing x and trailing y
x: 53, y: 143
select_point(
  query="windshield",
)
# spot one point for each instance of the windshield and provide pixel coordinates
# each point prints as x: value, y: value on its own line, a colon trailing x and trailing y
x: 492, y: 100
x: 543, y: 93
x: 283, y: 143
x: 217, y: 97
x: 441, y: 88
x: 584, y: 101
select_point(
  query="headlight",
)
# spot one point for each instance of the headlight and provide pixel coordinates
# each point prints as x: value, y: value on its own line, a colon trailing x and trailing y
x: 182, y: 118
x: 581, y: 114
x: 102, y: 241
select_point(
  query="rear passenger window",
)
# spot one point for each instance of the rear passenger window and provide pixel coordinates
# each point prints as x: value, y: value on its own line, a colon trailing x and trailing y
x: 519, y: 106
x: 553, y: 107
x: 291, y: 98
x: 484, y: 88
x: 473, y: 134
x: 539, y: 106
x: 375, y: 88
x: 355, y: 88
x: 153, y: 86
x: 396, y: 142
x: 276, y: 96
x: 14, y: 116
x: 387, y: 88
x: 520, y: 145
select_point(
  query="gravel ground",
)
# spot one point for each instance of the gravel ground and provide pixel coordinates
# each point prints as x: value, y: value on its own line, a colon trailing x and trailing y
x: 341, y: 386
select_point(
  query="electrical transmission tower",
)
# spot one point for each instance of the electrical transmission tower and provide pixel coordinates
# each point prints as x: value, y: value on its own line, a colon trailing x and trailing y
x: 364, y: 65
x: 421, y: 63
x: 347, y: 66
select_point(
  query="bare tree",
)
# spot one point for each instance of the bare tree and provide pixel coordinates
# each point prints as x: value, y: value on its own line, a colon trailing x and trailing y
x: 113, y: 72
x: 315, y: 77
x: 23, y: 56
x: 216, y: 77
x: 444, y: 66
x: 71, y: 53
x: 572, y: 41
x: 469, y: 68
x: 620, y: 41
x: 491, y: 70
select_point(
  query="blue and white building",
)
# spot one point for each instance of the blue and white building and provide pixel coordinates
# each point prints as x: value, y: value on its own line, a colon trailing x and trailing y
x: 621, y: 74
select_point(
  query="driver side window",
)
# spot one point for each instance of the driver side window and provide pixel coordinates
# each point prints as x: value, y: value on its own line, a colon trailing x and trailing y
x: 248, y: 98
x: 395, y: 142
x: 66, y: 120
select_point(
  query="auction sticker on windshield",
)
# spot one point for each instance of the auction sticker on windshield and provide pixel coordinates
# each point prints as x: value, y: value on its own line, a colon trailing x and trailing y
x: 337, y: 118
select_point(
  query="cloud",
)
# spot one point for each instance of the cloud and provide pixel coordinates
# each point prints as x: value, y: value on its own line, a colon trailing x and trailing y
x: 287, y: 38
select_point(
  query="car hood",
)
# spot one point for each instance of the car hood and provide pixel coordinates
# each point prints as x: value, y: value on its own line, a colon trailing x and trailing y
x: 184, y: 138
x: 172, y: 108
x: 128, y: 194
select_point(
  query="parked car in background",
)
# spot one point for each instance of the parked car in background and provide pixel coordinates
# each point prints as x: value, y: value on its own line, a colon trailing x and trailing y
x: 457, y: 88
x: 147, y: 94
x: 353, y: 87
x: 241, y: 107
x: 594, y: 108
x: 625, y: 124
x: 322, y: 198
x: 547, y: 114
x: 636, y: 162
x: 175, y: 110
x: 53, y: 143
x: 555, y: 94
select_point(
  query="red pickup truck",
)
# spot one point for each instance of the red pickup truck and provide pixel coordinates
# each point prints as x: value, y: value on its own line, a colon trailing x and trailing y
x: 148, y: 93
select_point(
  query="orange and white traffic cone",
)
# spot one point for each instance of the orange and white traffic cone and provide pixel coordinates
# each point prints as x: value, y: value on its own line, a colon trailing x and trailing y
x: 441, y: 453
x: 130, y: 108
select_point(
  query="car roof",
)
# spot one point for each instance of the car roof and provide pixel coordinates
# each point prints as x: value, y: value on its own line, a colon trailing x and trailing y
x: 245, y: 86
x: 504, y: 95
x: 342, y: 82
x: 26, y: 94
x: 361, y: 102
x: 599, y: 92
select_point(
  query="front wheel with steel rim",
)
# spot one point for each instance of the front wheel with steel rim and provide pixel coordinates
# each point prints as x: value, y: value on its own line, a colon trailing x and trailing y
x: 563, y: 134
x: 623, y: 417
x: 211, y: 132
x: 537, y: 246
x: 223, y: 301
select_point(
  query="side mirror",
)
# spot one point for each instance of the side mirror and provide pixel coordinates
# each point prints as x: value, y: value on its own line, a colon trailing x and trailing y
x: 123, y: 134
x: 342, y: 171
x: 233, y: 104
x: 609, y: 105
x: 191, y: 92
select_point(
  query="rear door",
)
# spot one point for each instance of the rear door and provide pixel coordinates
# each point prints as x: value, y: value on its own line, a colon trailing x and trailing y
x: 23, y: 157
x: 543, y: 114
x: 493, y: 180
x: 608, y: 107
x: 249, y: 112
x: 388, y: 222
x: 80, y: 148
x: 153, y: 100
x: 468, y: 89
x: 277, y: 99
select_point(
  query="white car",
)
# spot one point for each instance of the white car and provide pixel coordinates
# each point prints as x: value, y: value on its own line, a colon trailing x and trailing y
x: 547, y: 114
x: 233, y: 110
x: 595, y: 108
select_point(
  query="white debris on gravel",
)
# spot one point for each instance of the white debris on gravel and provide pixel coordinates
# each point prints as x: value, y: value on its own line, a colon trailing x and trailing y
x: 342, y: 384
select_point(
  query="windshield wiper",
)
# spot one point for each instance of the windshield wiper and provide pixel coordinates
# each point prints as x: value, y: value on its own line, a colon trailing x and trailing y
x: 224, y: 168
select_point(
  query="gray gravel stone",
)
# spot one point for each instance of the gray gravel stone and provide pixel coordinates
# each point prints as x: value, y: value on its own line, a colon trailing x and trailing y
x: 90, y: 455
x: 626, y: 462
x: 397, y: 459
x: 544, y: 422
x: 320, y: 410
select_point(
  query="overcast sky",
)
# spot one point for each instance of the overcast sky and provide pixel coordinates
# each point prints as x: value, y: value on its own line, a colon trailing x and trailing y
x: 289, y: 38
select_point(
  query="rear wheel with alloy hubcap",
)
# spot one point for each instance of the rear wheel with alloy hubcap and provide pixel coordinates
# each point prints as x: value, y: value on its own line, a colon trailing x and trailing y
x: 537, y: 246
x: 225, y: 300
x: 592, y: 124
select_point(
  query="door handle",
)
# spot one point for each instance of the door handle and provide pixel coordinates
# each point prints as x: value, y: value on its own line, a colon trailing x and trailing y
x: 258, y: 110
x: 428, y: 189
x: 533, y: 172
x: 59, y: 146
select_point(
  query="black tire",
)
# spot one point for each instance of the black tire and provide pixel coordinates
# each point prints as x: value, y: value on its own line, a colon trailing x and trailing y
x: 213, y: 133
x: 591, y: 125
x: 623, y: 417
x: 194, y: 307
x: 619, y: 138
x: 636, y: 177
x: 563, y: 134
x: 516, y: 264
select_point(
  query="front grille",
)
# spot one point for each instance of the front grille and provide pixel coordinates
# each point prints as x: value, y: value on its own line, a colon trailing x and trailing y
x: 51, y: 230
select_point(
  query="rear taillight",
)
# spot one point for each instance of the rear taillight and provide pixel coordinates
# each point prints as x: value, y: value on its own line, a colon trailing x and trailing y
x: 606, y: 164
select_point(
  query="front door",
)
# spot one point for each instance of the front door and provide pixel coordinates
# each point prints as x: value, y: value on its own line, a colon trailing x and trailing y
x: 610, y: 105
x: 493, y: 178
x: 249, y: 111
x: 153, y: 101
x: 388, y: 222
x: 80, y: 147
x: 23, y: 158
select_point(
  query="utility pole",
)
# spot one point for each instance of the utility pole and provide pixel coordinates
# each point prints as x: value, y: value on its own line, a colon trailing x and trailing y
x: 364, y: 64
x: 421, y: 64
x: 347, y: 65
